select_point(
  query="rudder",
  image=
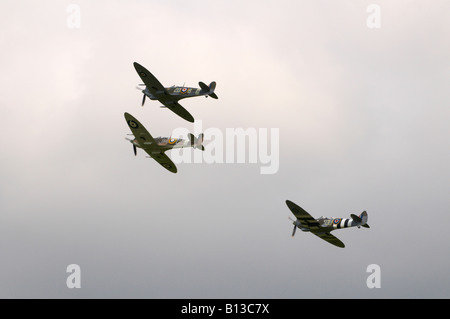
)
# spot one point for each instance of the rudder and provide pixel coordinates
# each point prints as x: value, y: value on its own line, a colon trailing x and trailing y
x: 364, y: 218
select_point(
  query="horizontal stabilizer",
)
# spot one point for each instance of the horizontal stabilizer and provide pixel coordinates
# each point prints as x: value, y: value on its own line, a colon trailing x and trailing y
x: 209, y: 89
x: 197, y: 142
x: 203, y: 86
x: 361, y: 219
x: 356, y: 219
x: 212, y: 87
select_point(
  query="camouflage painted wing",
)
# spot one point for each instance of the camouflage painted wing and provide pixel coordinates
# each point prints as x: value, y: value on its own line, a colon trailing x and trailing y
x: 158, y: 90
x: 150, y: 81
x: 308, y: 221
x: 165, y: 161
x: 143, y: 137
x: 148, y: 144
x: 329, y: 238
x: 180, y: 111
x: 305, y: 219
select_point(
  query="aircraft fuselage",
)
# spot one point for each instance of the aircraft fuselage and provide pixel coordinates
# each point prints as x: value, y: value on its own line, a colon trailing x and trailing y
x: 166, y: 143
x: 175, y: 93
x: 330, y: 224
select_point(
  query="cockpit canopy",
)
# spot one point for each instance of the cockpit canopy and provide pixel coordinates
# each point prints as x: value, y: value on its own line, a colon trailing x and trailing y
x: 161, y: 140
x: 324, y: 220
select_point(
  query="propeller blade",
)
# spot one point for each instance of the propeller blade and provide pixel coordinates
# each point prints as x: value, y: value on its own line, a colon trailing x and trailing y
x: 134, y: 149
x: 293, y: 232
x: 143, y: 100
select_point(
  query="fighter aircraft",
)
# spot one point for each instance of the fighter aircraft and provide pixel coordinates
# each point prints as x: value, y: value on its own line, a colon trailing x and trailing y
x: 322, y: 226
x: 169, y: 97
x: 155, y: 147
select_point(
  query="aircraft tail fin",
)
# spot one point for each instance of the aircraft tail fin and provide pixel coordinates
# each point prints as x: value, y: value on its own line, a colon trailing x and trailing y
x: 212, y: 87
x: 209, y: 89
x: 361, y: 219
x: 364, y: 217
x: 197, y: 142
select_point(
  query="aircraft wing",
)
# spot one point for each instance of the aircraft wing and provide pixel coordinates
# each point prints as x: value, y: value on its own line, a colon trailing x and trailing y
x: 179, y: 110
x: 149, y: 79
x: 305, y: 219
x: 143, y: 137
x: 329, y: 238
x: 165, y: 161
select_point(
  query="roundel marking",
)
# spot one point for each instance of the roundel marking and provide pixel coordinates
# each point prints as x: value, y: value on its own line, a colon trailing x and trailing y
x: 132, y: 124
x: 183, y: 90
x: 337, y: 221
x: 172, y: 140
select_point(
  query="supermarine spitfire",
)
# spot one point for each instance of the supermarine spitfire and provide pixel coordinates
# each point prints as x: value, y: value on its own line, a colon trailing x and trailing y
x: 169, y: 97
x: 155, y: 147
x: 322, y: 226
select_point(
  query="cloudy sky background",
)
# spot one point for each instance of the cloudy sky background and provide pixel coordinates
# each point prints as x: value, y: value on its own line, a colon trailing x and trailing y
x: 363, y: 119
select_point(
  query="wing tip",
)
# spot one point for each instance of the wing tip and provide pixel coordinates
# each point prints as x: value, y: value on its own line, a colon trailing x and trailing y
x: 188, y: 117
x: 290, y: 204
x: 138, y: 67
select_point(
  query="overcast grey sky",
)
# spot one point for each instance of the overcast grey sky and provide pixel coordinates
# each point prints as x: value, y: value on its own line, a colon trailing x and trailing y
x: 363, y: 117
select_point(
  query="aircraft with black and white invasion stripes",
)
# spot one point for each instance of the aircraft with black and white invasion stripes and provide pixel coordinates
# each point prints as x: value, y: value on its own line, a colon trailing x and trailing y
x: 323, y: 226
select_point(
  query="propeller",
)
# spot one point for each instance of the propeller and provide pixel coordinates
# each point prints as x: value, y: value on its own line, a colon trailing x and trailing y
x: 134, y: 146
x: 295, y: 222
x: 140, y: 89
